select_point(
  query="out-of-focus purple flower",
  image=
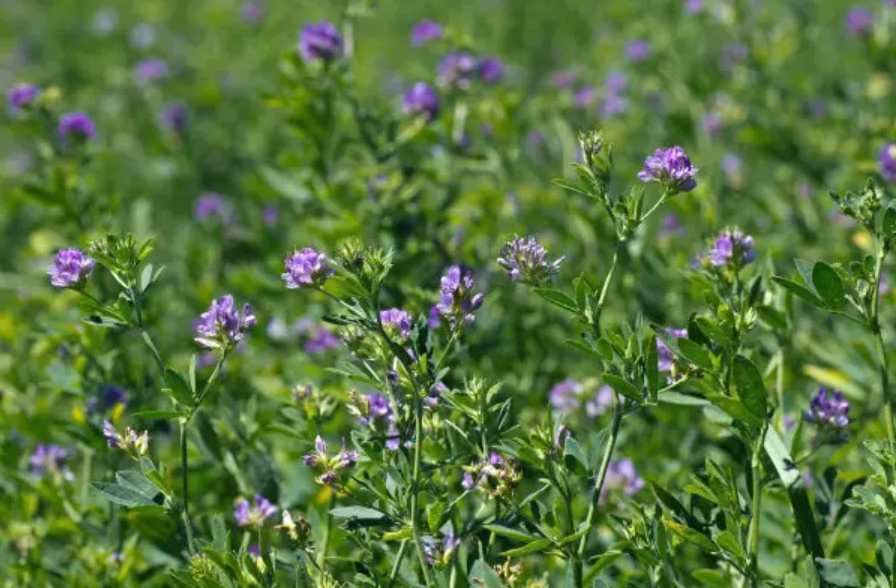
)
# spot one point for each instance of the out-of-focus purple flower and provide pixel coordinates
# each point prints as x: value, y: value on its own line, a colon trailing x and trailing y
x: 536, y: 138
x: 456, y: 70
x: 425, y: 31
x: 693, y: 6
x: 322, y: 341
x: 209, y: 205
x: 438, y: 553
x: 733, y: 166
x: 731, y: 247
x: 270, y: 214
x: 621, y: 477
x: 859, y: 21
x: 526, y: 261
x: 111, y: 435
x: 666, y: 361
x: 77, y: 126
x: 491, y: 70
x: 616, y: 82
x: 152, y: 70
x: 143, y: 36
x: 613, y: 105
x: 21, y: 96
x: 671, y: 227
x: 49, y: 460
x: 732, y: 55
x: 601, y: 402
x: 712, y: 124
x: 252, y: 12
x: 818, y: 108
x: 421, y: 98
x: 71, y: 268
x: 585, y: 97
x: 222, y: 326
x: 330, y: 466
x: 563, y: 79
x: 670, y: 167
x: 105, y: 21
x: 175, y: 117
x: 564, y: 396
x: 788, y: 422
x: 886, y: 162
x: 434, y: 321
x: 396, y: 322
x: 254, y: 550
x: 457, y: 303
x: 638, y: 50
x: 253, y: 515
x: 828, y: 409
x: 306, y: 268
x: 320, y: 42
x: 114, y: 395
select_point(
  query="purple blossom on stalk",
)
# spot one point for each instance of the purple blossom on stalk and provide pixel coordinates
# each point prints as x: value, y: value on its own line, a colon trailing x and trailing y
x: 435, y: 394
x: 71, y: 268
x: 253, y: 515
x: 306, y: 268
x: 21, y: 96
x: 638, y: 50
x: 491, y: 70
x: 457, y: 303
x: 731, y: 247
x: 396, y: 322
x: 456, y: 70
x: 421, y: 98
x: 827, y: 409
x: 320, y: 42
x: 621, y: 477
x: 438, y: 553
x: 209, y: 205
x: 151, y: 70
x: 175, y: 117
x: 77, y: 126
x: 712, y: 124
x: 49, y: 460
x: 222, y: 326
x: 134, y: 444
x: 666, y: 361
x: 322, y: 341
x: 585, y: 97
x: 372, y: 409
x: 111, y: 435
x: 886, y: 162
x: 424, y: 31
x: 252, y: 11
x: 602, y: 401
x: 320, y: 461
x: 564, y: 396
x: 671, y: 168
x: 527, y: 261
x: 433, y: 321
x: 859, y: 21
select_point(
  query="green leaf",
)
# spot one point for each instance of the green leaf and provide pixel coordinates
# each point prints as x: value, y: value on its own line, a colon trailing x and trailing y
x: 179, y: 390
x: 750, y: 388
x: 798, y: 290
x: 284, y: 185
x: 695, y: 537
x: 836, y: 573
x: 483, y: 576
x: 572, y: 187
x: 711, y: 329
x: 534, y: 547
x: 151, y: 415
x: 434, y: 515
x: 571, y: 448
x: 557, y: 298
x: 138, y: 482
x: 514, y: 534
x: 827, y: 283
x: 735, y: 409
x: 711, y: 578
x: 603, y: 561
x: 122, y: 495
x: 888, y: 224
x: 727, y: 541
x: 884, y: 554
x: 695, y: 354
x: 622, y: 387
x: 361, y: 514
x: 651, y: 359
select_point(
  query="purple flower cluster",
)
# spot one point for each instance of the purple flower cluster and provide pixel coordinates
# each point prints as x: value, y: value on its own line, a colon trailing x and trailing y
x: 21, y: 96
x: 526, y: 260
x: 621, y: 477
x: 496, y: 476
x: 306, y: 268
x: 49, y: 460
x: 638, y: 50
x: 602, y: 401
x: 221, y: 326
x: 671, y: 168
x: 731, y: 247
x: 425, y: 31
x: 77, y: 126
x: 614, y: 102
x: 174, y: 118
x: 252, y: 11
x: 253, y: 515
x: 422, y: 99
x: 457, y: 70
x: 491, y: 70
x: 564, y: 396
x: 886, y: 162
x: 320, y: 42
x: 152, y: 70
x: 70, y: 269
x: 322, y: 341
x: 396, y: 322
x: 209, y: 205
x: 828, y: 410
x: 859, y: 21
x: 136, y: 445
x: 457, y: 303
x: 373, y: 409
x: 329, y: 466
x: 438, y: 553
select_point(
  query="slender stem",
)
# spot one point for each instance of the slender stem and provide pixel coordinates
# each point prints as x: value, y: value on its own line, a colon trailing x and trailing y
x: 451, y: 341
x: 397, y: 565
x: 325, y: 546
x: 655, y: 206
x: 753, y: 536
x: 779, y: 384
x: 601, y: 476
x: 185, y: 482
x: 602, y: 300
x: 460, y: 120
x: 415, y: 486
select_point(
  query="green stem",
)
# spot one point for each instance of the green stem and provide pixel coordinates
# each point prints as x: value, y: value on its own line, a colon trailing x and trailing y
x: 185, y: 482
x: 655, y: 206
x: 602, y: 300
x: 325, y: 544
x: 397, y: 565
x: 753, y: 536
x: 415, y: 486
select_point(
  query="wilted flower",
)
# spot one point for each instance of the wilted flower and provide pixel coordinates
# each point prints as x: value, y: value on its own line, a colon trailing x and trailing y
x: 21, y: 96
x: 426, y: 30
x: 396, y: 322
x: 859, y: 21
x: 135, y: 445
x: 731, y: 247
x: 175, y: 117
x: 77, y: 126
x: 306, y: 268
x: 438, y: 553
x: 329, y: 466
x: 621, y: 477
x: 638, y: 50
x: 564, y: 396
x: 601, y: 401
x: 151, y: 70
x: 491, y: 70
x: 320, y: 42
x: 827, y: 409
x: 297, y: 530
x: 50, y: 460
x: 886, y: 162
x: 253, y: 515
x: 421, y: 98
x: 527, y: 261
x: 456, y: 300
x: 209, y: 205
x: 456, y: 71
x: 670, y: 167
x: 221, y: 326
x: 70, y: 269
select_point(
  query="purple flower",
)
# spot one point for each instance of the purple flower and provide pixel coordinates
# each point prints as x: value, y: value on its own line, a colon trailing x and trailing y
x: 50, y: 460
x: 712, y: 124
x: 666, y: 361
x: 731, y: 247
x: 253, y: 515
x: 456, y: 71
x: 221, y: 326
x: 536, y: 138
x: 585, y: 97
x: 421, y: 98
x: 254, y: 550
x: 670, y: 167
x: 616, y: 82
x: 859, y: 21
x: 563, y: 79
x: 134, y: 444
x: 886, y: 162
x: 732, y: 165
x: 621, y: 477
x: 435, y: 394
x: 70, y: 269
x: 456, y: 300
x: 175, y: 117
x: 209, y: 205
x: 111, y: 434
x: 693, y: 6
x: 438, y: 553
x: 322, y: 341
x: 613, y: 105
x: 77, y: 125
x: 320, y: 42
x: 491, y: 70
x: 252, y: 11
x: 433, y: 321
x: 21, y: 96
x: 638, y: 50
x: 671, y: 226
x: 564, y: 396
x: 110, y: 396
x: 270, y: 214
x: 527, y: 261
x: 151, y: 70
x: 330, y: 466
x: 732, y: 55
x: 306, y: 268
x: 396, y: 322
x: 600, y: 403
x: 829, y: 410
x: 424, y: 31
x: 375, y: 408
